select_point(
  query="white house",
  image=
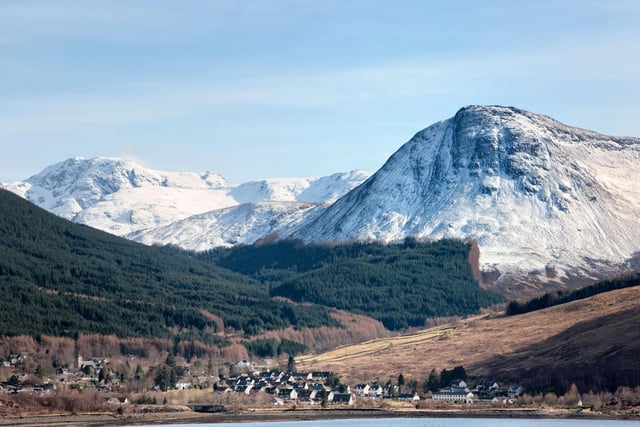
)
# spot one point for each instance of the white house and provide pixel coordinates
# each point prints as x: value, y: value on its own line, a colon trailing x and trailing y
x: 409, y: 397
x: 288, y: 394
x: 514, y: 391
x: 376, y: 391
x: 453, y: 395
x: 362, y: 390
x: 183, y: 385
x: 342, y: 399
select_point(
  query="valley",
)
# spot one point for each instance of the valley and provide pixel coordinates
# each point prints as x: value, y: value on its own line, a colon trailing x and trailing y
x: 163, y: 278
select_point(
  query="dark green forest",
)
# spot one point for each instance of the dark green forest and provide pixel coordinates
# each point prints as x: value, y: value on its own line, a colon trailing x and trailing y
x: 60, y: 278
x: 399, y: 284
x: 567, y: 295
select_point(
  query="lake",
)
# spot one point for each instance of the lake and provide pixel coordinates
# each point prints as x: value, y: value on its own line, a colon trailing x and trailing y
x: 431, y: 422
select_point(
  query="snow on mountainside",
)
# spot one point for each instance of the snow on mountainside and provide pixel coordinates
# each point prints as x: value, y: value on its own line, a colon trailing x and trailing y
x: 122, y: 197
x: 537, y: 195
x: 310, y: 190
x: 242, y: 224
x: 545, y: 201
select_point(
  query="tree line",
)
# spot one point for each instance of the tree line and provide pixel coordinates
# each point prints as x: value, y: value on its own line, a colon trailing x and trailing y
x: 551, y: 299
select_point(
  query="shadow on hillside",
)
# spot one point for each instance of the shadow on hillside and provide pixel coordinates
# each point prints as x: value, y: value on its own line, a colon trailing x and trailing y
x: 598, y: 355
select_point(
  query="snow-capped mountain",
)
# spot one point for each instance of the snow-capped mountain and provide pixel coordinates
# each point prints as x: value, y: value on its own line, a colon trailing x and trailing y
x: 324, y: 190
x: 544, y: 201
x: 539, y: 197
x: 242, y: 224
x: 122, y: 197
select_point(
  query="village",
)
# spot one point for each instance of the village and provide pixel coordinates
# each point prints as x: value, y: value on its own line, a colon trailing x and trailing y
x: 278, y: 387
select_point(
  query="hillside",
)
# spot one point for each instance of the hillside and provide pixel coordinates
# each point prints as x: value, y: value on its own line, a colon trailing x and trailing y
x: 592, y: 342
x: 60, y: 278
x: 402, y: 285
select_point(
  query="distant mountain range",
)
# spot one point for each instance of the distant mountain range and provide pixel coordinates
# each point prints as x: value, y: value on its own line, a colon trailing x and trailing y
x: 546, y: 202
x: 121, y: 197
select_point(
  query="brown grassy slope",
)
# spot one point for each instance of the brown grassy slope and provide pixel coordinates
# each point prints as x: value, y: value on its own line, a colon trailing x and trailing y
x: 595, y: 354
x: 355, y: 328
x: 578, y: 333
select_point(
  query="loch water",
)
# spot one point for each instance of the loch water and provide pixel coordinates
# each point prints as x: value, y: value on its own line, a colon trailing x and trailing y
x: 430, y: 422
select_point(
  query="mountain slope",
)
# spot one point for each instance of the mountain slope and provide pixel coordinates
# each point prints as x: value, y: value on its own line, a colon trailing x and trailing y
x: 402, y: 285
x: 593, y: 342
x: 60, y: 278
x: 539, y: 197
x: 242, y: 224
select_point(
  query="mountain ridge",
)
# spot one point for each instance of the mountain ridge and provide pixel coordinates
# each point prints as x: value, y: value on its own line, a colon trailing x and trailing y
x: 124, y: 198
x: 547, y: 202
x: 521, y: 184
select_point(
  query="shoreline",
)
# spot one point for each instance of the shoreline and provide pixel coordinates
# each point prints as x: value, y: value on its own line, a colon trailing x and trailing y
x: 270, y: 416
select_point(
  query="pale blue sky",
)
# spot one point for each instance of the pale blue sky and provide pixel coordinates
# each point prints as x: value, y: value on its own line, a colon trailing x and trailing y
x: 260, y: 89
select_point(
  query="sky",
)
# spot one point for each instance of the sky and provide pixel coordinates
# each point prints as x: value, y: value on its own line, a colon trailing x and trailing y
x: 256, y: 89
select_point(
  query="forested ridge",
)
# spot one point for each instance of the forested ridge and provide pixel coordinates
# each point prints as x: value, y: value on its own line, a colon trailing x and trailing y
x: 400, y: 284
x: 60, y: 278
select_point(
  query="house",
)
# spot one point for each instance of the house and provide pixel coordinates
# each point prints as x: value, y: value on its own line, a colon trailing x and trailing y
x: 341, y: 388
x: 275, y: 376
x: 362, y: 390
x: 302, y: 376
x: 89, y: 366
x: 289, y: 378
x: 458, y: 384
x: 453, y: 395
x: 320, y: 375
x: 320, y: 388
x: 243, y: 389
x: 486, y: 384
x: 376, y: 390
x: 261, y: 385
x: 342, y: 399
x: 118, y: 401
x: 307, y: 396
x: 486, y: 389
x: 243, y: 364
x: 288, y: 394
x: 514, y: 391
x: 409, y: 397
x: 456, y: 392
x: 244, y: 381
x: 183, y: 385
x: 322, y: 395
x: 390, y: 391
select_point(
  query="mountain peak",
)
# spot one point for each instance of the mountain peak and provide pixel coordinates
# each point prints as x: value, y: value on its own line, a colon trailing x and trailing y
x: 127, y: 199
x: 532, y: 191
x: 545, y: 201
